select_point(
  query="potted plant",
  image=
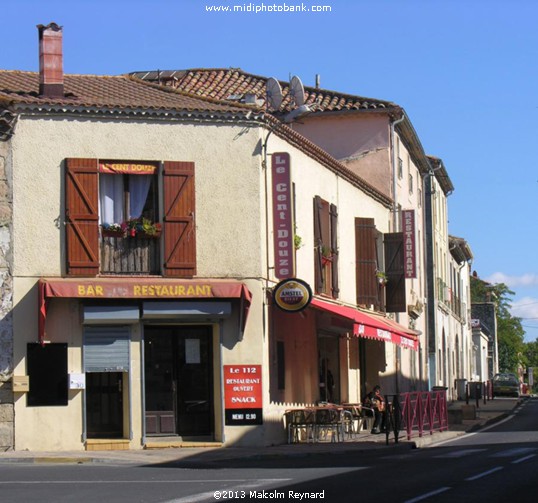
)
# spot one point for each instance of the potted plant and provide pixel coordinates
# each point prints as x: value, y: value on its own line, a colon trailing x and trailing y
x: 143, y: 228
x: 326, y: 254
x: 381, y: 278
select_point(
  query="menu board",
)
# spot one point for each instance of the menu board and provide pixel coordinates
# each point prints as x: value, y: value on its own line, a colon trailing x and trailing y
x: 243, y: 394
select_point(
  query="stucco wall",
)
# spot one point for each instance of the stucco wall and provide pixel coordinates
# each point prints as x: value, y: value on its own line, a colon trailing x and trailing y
x: 361, y: 143
x: 228, y: 178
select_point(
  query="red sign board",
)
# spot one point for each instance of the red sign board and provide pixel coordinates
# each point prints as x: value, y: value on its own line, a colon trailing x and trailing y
x: 243, y: 394
x: 408, y: 224
x: 283, y: 233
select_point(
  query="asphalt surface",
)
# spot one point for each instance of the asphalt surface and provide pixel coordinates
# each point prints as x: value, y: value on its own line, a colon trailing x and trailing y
x: 486, y: 413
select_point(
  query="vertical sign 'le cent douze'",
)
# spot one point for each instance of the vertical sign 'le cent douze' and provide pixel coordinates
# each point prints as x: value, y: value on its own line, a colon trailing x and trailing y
x: 283, y: 216
x: 408, y: 220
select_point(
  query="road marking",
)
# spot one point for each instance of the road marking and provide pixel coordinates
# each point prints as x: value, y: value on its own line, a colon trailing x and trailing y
x: 210, y: 495
x: 510, y: 453
x: 484, y: 474
x: 428, y: 495
x: 459, y: 454
x: 153, y: 481
x: 520, y: 460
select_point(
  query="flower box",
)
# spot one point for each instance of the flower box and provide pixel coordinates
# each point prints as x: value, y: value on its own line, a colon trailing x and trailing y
x: 112, y: 233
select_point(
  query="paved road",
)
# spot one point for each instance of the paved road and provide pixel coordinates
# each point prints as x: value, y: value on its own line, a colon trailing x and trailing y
x: 492, y: 465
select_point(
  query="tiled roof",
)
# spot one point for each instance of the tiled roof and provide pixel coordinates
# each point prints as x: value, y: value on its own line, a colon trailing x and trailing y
x: 104, y: 92
x: 233, y: 83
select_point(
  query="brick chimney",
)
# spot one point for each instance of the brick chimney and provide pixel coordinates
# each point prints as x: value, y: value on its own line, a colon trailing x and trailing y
x: 51, y: 74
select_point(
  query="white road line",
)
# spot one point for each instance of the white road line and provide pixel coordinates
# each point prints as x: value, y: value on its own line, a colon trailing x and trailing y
x: 460, y: 453
x: 484, y: 474
x: 428, y: 495
x: 210, y: 495
x: 520, y: 460
x: 153, y: 481
x: 511, y: 453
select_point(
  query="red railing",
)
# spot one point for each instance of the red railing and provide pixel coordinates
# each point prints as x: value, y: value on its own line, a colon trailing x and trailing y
x: 419, y: 412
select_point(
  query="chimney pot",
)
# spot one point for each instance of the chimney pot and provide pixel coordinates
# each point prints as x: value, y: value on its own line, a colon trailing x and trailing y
x: 51, y: 75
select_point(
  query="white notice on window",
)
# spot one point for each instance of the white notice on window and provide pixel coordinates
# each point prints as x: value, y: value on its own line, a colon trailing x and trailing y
x: 192, y: 350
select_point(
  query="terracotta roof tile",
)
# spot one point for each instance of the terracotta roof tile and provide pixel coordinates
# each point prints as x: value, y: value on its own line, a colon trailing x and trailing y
x: 105, y: 91
x: 222, y: 83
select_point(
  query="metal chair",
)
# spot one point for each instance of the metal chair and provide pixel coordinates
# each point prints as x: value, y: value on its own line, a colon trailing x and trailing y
x: 300, y: 425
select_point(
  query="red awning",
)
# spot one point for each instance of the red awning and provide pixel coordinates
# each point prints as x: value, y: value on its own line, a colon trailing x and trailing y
x: 139, y: 288
x: 371, y: 326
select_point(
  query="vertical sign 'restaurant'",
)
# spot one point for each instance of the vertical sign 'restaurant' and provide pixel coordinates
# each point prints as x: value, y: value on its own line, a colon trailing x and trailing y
x: 283, y: 216
x: 243, y: 394
x: 408, y: 224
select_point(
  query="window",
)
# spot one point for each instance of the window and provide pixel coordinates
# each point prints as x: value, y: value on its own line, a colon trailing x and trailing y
x: 410, y: 183
x: 326, y: 247
x: 99, y: 192
x: 47, y: 370
x: 400, y: 168
x: 127, y: 191
x: 369, y: 268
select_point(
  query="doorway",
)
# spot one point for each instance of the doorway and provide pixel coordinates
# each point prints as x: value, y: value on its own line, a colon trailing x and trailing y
x: 329, y: 368
x: 178, y: 364
x: 104, y: 404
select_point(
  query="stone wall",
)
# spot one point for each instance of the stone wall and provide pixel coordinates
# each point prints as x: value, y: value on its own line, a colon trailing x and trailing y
x: 6, y: 304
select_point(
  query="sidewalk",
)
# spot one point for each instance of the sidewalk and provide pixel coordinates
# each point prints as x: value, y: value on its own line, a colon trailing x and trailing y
x: 488, y: 413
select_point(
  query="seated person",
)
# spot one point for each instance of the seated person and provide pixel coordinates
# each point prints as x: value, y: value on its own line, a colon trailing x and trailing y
x: 376, y: 401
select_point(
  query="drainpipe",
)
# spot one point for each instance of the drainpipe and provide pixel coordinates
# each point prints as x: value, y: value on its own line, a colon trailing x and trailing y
x: 394, y: 172
x: 395, y: 224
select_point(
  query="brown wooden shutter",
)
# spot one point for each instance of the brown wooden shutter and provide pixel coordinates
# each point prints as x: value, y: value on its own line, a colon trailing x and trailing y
x: 394, y: 269
x: 366, y: 251
x: 82, y: 217
x: 179, y: 223
x: 318, y: 243
x: 334, y: 251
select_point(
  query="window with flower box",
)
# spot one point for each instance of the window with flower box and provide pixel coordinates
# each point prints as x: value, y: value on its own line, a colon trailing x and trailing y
x: 112, y: 218
x: 326, y: 248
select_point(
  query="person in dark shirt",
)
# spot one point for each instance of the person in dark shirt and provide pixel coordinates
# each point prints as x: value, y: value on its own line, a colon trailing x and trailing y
x: 376, y: 401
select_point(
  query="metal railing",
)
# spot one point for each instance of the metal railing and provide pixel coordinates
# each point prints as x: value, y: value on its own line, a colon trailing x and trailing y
x: 416, y: 414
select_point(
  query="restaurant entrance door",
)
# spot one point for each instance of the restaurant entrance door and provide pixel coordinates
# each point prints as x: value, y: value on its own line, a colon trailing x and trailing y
x: 178, y: 365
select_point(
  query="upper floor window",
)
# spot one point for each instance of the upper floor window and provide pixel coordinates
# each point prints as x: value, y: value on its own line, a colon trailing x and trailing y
x: 326, y: 247
x: 112, y: 218
x: 127, y: 192
x: 410, y: 183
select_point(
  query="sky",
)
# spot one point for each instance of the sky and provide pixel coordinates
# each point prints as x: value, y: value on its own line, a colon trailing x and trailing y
x: 465, y: 71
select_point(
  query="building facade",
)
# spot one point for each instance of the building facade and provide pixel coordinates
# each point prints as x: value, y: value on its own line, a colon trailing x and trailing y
x: 149, y: 234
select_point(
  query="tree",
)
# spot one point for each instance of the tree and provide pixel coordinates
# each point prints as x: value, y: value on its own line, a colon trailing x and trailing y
x: 510, y: 333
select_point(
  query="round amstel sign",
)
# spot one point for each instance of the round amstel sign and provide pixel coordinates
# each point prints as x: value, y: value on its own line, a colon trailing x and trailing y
x: 292, y: 295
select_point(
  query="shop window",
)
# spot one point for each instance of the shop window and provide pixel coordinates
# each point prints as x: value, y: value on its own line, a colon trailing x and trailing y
x: 112, y: 218
x: 47, y: 370
x: 326, y: 247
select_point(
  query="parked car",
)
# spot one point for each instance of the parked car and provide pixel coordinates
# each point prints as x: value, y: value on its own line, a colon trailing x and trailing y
x: 505, y: 384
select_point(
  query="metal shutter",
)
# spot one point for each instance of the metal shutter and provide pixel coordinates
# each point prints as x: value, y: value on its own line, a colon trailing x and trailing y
x: 106, y: 349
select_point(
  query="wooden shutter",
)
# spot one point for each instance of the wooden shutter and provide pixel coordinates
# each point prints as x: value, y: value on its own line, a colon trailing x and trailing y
x: 334, y: 250
x: 365, y: 249
x: 318, y: 243
x: 179, y: 219
x: 82, y: 217
x: 394, y: 269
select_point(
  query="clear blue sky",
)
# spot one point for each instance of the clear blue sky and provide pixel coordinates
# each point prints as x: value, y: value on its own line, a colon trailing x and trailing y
x: 464, y: 70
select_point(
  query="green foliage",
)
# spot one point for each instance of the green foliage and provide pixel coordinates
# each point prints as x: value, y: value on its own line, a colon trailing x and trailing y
x: 510, y: 333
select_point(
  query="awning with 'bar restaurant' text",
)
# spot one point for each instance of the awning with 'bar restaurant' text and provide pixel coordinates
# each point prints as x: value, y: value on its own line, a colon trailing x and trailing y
x: 371, y: 326
x: 139, y: 288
